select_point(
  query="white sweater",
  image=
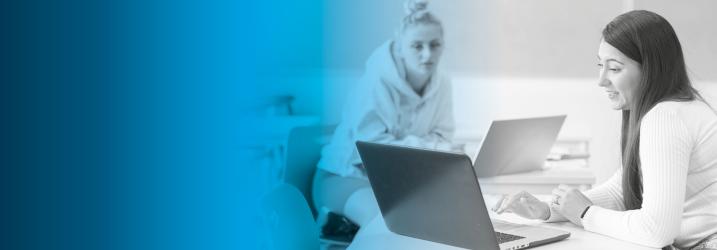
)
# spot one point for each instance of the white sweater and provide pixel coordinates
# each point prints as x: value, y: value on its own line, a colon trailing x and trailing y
x: 384, y: 108
x: 678, y: 153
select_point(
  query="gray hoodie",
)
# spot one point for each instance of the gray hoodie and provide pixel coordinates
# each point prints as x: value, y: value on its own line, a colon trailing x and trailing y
x: 384, y: 108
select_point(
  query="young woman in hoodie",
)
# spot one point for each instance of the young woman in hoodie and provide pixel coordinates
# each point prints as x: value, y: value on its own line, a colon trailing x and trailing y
x: 401, y: 99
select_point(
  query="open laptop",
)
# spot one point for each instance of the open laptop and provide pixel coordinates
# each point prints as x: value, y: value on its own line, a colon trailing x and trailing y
x: 435, y: 196
x: 519, y: 145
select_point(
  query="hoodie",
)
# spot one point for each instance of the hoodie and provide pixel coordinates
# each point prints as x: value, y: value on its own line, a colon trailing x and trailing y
x: 384, y: 108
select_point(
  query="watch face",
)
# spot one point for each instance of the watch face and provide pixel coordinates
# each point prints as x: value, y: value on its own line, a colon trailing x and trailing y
x: 584, y: 212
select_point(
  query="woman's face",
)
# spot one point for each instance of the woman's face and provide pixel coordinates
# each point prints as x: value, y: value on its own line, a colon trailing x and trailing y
x: 619, y: 75
x: 421, y: 48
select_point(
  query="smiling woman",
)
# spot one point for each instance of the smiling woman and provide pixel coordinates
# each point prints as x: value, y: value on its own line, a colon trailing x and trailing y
x: 619, y: 75
x: 664, y: 194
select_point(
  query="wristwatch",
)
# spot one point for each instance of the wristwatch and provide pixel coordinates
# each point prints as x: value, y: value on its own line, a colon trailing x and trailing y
x: 584, y: 211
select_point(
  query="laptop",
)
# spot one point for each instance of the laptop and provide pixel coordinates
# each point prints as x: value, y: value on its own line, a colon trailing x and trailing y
x: 518, y: 145
x: 435, y: 196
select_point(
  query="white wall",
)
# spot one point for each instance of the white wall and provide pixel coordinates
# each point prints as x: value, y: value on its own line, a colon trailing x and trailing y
x: 517, y: 38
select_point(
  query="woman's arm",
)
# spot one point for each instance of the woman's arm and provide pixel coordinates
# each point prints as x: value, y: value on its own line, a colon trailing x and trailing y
x: 442, y: 132
x: 378, y: 115
x: 607, y: 195
x: 665, y: 149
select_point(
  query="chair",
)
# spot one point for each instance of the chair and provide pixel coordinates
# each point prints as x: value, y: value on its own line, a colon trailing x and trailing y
x: 288, y: 219
x: 302, y: 154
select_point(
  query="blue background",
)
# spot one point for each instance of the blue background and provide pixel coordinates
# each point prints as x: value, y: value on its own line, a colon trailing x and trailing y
x: 123, y: 120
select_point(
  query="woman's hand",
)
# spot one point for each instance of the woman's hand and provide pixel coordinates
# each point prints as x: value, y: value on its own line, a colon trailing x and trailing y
x: 570, y: 203
x: 523, y: 204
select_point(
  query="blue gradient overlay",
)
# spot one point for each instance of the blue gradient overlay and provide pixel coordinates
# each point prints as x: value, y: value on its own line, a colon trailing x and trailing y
x: 124, y: 122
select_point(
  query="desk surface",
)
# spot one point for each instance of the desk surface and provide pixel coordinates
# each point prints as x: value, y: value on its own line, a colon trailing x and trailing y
x: 562, y: 175
x: 375, y: 235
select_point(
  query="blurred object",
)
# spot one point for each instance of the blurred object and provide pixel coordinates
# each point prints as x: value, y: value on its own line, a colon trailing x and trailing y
x: 269, y: 106
x: 268, y: 156
x: 566, y: 164
x: 336, y: 230
x: 268, y: 145
x: 273, y: 119
x: 279, y: 106
x: 288, y: 220
x: 559, y: 157
x: 569, y: 153
x: 303, y: 151
x: 565, y: 149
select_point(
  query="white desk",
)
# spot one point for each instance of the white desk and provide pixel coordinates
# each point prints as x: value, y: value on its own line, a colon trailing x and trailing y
x: 538, y: 182
x: 375, y: 235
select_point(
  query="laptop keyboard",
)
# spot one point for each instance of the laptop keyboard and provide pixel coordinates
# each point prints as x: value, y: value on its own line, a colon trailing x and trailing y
x: 503, y: 237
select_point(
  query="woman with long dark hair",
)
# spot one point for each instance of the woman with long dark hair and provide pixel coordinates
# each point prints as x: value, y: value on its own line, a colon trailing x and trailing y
x: 665, y: 195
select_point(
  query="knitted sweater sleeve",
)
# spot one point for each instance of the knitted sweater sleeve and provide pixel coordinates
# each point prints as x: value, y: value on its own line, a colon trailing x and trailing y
x: 665, y: 149
x: 606, y: 195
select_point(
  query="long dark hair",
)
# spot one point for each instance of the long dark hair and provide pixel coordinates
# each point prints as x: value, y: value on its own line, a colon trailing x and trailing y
x: 648, y: 39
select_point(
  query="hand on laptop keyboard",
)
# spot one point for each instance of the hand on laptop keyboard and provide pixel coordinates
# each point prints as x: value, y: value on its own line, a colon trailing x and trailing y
x: 523, y: 204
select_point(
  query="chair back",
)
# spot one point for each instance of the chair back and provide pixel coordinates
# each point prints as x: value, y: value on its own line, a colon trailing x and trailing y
x: 303, y: 152
x: 288, y: 219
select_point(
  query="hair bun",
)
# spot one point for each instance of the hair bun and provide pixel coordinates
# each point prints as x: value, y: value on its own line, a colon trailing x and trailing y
x: 413, y: 6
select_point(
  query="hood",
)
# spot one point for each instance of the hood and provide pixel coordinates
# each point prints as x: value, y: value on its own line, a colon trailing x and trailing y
x: 391, y: 71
